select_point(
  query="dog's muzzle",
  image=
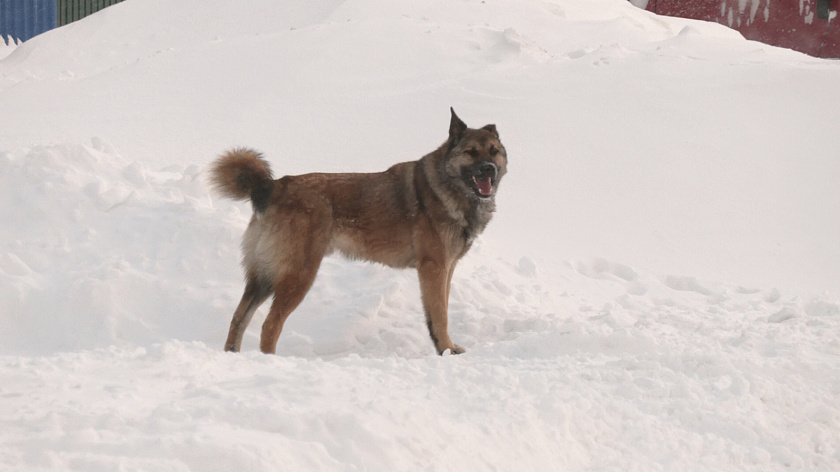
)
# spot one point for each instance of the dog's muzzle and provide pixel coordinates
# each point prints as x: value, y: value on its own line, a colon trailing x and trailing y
x: 483, y: 176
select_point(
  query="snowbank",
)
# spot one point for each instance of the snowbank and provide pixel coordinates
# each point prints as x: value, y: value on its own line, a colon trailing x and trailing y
x: 658, y: 290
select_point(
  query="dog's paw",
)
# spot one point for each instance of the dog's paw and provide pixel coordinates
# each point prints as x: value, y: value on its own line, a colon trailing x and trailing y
x: 454, y: 350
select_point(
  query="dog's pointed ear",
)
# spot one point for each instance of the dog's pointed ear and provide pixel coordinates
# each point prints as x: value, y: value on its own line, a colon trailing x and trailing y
x: 456, y: 128
x: 492, y: 129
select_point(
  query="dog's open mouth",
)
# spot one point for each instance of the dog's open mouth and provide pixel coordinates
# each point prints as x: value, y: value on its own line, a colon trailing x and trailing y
x: 482, y: 177
x: 484, y: 186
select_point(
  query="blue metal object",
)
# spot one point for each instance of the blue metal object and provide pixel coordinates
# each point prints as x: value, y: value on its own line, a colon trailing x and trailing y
x: 22, y: 19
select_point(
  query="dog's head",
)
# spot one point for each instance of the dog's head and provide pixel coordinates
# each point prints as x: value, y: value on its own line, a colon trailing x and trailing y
x: 475, y: 160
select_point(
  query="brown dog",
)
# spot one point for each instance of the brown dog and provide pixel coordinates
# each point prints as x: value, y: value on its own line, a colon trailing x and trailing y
x: 423, y: 214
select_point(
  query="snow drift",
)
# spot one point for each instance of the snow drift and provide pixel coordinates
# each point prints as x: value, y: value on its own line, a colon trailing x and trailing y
x: 658, y: 290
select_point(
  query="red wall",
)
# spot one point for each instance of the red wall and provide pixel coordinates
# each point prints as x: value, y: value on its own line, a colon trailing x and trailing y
x: 803, y: 25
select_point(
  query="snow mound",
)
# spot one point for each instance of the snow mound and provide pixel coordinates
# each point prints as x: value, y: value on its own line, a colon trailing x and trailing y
x: 657, y: 291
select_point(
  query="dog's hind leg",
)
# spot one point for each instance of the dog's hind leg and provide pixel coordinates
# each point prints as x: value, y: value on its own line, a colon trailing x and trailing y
x: 298, y: 273
x: 288, y: 293
x: 256, y: 292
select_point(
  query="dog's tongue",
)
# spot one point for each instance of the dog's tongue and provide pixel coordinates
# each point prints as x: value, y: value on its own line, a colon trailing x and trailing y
x: 485, y: 186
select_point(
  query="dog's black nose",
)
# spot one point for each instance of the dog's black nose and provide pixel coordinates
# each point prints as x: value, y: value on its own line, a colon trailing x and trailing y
x: 486, y: 169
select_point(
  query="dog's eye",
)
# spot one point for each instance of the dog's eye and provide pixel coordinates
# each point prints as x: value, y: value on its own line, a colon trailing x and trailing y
x: 472, y: 152
x: 493, y: 151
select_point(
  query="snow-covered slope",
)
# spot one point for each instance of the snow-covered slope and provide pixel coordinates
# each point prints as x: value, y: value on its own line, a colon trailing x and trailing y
x: 658, y: 290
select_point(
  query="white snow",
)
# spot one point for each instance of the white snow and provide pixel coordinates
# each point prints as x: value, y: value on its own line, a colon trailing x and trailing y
x: 7, y: 45
x: 657, y: 291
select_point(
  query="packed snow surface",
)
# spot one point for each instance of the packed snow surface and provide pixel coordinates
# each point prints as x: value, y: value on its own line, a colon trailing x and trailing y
x: 657, y: 291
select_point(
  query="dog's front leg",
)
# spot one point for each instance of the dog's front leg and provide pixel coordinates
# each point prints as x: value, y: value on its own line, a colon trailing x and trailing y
x: 434, y: 276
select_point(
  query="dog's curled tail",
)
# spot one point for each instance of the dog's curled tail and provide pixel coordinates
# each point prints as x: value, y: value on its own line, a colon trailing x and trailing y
x: 243, y: 174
